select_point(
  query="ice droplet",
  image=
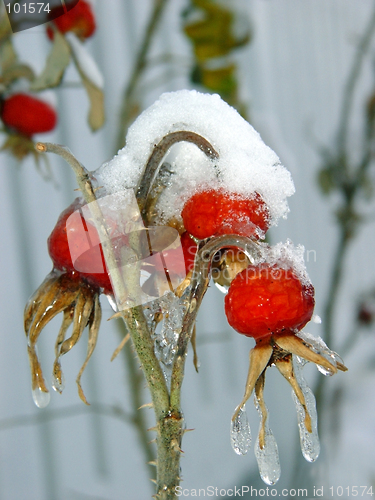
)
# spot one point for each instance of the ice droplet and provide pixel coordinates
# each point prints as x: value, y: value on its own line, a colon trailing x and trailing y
x: 310, y: 444
x: 58, y: 383
x: 318, y: 345
x: 173, y: 309
x: 268, y: 458
x: 240, y: 433
x: 41, y: 398
x: 267, y: 455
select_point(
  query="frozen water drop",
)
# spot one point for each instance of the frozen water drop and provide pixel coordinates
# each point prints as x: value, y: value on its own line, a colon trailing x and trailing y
x: 173, y: 308
x: 268, y: 458
x: 240, y: 433
x: 316, y: 319
x: 58, y: 383
x: 41, y: 398
x: 310, y: 445
x: 266, y: 451
x: 318, y: 345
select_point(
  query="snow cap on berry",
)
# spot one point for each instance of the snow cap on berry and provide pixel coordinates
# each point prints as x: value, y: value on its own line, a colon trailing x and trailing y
x: 245, y: 165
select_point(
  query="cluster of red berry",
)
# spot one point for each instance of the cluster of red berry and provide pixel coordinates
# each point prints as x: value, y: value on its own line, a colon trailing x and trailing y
x: 24, y: 113
x: 261, y: 300
x: 59, y: 247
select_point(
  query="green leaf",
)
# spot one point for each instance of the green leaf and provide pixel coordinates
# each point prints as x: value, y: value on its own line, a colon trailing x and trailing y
x: 58, y: 59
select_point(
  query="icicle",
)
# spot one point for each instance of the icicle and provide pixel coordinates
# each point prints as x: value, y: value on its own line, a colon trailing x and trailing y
x: 39, y: 390
x: 173, y: 309
x: 266, y: 451
x: 318, y: 346
x: 310, y: 445
x: 41, y: 398
x: 58, y: 379
x: 240, y: 433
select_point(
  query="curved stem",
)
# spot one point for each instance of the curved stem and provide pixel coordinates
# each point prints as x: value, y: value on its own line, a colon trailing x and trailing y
x: 198, y: 287
x: 158, y: 153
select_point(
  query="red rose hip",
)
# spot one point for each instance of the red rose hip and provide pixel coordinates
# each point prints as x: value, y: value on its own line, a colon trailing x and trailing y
x: 79, y: 19
x: 90, y: 263
x: 266, y: 299
x: 215, y: 212
x: 28, y: 115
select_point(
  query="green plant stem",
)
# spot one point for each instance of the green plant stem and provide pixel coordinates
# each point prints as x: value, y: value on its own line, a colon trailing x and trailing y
x: 134, y: 318
x: 347, y: 104
x: 136, y: 383
x: 169, y: 419
x: 139, y: 67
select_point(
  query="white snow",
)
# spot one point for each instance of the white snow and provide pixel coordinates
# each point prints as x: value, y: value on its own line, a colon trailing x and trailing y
x: 245, y: 165
x: 287, y: 256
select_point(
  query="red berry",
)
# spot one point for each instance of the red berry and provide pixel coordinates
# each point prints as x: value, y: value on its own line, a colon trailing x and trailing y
x: 28, y: 115
x: 79, y: 19
x: 215, y: 212
x: 92, y: 258
x: 268, y: 299
x: 172, y: 257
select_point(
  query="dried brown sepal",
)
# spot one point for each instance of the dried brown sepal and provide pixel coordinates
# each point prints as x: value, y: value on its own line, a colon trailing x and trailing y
x: 259, y: 394
x: 259, y: 358
x: 285, y: 367
x: 94, y: 325
x: 37, y: 379
x: 82, y: 312
x: 295, y: 345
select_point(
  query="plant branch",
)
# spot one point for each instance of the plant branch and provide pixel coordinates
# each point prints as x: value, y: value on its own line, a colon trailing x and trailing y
x: 139, y: 67
x: 347, y: 104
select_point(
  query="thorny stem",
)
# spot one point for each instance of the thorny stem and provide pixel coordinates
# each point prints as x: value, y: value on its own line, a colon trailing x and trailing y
x: 140, y: 65
x: 198, y: 287
x: 169, y: 419
x: 134, y: 318
x: 136, y: 383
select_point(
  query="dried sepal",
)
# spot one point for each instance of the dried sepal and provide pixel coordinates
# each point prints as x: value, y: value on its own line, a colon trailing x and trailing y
x: 259, y: 358
x: 79, y: 302
x: 94, y: 324
x: 295, y: 345
x: 259, y: 395
x: 285, y: 367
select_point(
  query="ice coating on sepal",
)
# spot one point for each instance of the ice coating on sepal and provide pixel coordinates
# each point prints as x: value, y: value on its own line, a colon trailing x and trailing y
x: 240, y: 433
x: 268, y: 458
x: 41, y: 398
x: 266, y: 450
x: 318, y: 345
x: 310, y: 445
x: 173, y: 310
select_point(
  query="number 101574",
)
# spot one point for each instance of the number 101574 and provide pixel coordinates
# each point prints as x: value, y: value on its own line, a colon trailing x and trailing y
x: 28, y: 8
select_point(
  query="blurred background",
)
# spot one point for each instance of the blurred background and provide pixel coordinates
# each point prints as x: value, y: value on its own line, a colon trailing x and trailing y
x: 303, y: 74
